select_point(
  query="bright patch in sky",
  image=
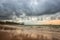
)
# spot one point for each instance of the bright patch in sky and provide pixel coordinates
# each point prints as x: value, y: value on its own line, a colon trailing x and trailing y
x: 34, y: 2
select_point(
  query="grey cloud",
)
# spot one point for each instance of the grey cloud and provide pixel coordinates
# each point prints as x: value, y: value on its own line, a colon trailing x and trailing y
x: 29, y: 7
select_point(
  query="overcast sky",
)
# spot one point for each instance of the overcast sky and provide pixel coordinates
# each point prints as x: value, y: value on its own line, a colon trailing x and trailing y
x: 28, y: 7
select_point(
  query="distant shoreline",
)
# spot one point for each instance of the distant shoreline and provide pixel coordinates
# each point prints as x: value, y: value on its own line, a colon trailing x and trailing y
x: 14, y: 23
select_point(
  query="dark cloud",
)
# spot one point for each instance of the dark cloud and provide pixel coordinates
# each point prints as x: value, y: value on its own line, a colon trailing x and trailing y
x: 29, y: 7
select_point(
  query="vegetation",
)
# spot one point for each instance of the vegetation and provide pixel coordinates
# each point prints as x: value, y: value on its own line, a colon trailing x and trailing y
x: 10, y: 23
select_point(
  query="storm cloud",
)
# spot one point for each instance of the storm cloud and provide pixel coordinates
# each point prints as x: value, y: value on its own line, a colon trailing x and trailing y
x: 29, y: 7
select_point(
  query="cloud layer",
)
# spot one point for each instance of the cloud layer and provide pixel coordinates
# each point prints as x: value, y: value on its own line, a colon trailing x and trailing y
x: 29, y: 7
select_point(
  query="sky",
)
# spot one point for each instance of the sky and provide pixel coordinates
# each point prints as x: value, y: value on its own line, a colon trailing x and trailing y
x: 28, y: 7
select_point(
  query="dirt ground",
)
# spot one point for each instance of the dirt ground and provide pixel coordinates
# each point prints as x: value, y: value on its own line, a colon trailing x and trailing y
x: 9, y: 32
